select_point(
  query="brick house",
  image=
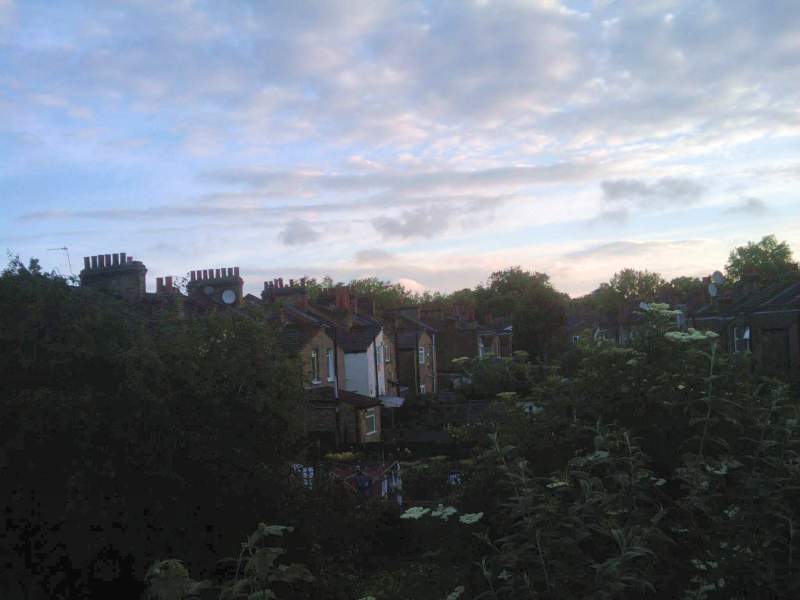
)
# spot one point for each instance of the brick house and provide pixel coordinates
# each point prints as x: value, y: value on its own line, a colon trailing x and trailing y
x: 333, y: 412
x: 415, y: 349
x: 459, y: 334
x: 761, y: 319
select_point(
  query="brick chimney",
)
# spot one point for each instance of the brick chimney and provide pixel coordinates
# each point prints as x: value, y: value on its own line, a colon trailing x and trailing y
x: 165, y: 285
x: 296, y: 293
x: 223, y: 286
x: 117, y: 274
x: 341, y: 294
x: 364, y: 306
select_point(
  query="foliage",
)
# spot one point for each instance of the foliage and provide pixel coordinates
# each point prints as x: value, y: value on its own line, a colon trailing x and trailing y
x: 537, y: 309
x: 768, y: 258
x: 124, y: 432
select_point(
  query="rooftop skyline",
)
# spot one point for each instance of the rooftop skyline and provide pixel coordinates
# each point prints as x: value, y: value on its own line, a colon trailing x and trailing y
x: 429, y: 143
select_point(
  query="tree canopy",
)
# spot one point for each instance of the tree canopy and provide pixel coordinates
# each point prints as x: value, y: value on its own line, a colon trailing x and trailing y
x: 769, y: 259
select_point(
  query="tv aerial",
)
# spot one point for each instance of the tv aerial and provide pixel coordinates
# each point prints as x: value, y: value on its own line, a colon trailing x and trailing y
x: 65, y: 250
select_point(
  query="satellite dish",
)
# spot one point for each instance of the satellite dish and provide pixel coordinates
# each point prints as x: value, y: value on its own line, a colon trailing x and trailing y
x: 208, y: 290
x: 229, y: 296
x: 717, y: 278
x: 712, y: 290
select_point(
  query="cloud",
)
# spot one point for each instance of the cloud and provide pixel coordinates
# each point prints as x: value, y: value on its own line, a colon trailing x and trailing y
x: 420, y: 222
x: 298, y: 232
x: 630, y: 248
x: 753, y: 207
x: 301, y: 183
x: 412, y: 285
x: 662, y: 193
x: 374, y: 256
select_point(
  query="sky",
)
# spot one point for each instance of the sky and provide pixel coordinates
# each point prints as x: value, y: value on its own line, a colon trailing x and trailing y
x: 430, y: 143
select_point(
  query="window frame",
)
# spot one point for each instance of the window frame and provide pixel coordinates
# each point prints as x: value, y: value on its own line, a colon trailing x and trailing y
x: 370, y: 416
x: 315, y: 371
x: 421, y: 355
x: 743, y: 340
x: 330, y: 360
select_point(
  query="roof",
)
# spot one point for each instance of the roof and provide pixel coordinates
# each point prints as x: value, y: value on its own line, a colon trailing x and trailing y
x: 293, y: 338
x: 743, y: 298
x: 407, y: 340
x: 357, y: 339
x: 417, y: 323
x: 327, y: 395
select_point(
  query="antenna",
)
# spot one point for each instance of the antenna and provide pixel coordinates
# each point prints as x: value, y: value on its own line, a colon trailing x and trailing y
x: 65, y: 250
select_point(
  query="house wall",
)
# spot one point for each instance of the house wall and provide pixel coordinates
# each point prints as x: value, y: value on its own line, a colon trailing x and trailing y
x: 406, y: 369
x: 390, y: 368
x: 322, y: 343
x: 775, y: 340
x: 381, y: 370
x: 359, y: 368
x: 426, y: 372
x: 364, y: 437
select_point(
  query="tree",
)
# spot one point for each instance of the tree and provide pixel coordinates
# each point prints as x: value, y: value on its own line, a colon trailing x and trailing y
x: 770, y: 259
x: 632, y: 284
x: 125, y: 436
x: 537, y: 309
x: 681, y: 290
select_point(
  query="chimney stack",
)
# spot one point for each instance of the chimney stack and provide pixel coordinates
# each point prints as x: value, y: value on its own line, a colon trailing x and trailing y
x: 220, y: 285
x: 116, y: 273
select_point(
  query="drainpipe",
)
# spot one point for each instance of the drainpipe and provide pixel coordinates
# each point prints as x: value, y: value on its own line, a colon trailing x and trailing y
x: 416, y: 363
x: 433, y: 363
x: 337, y: 415
x: 375, y: 353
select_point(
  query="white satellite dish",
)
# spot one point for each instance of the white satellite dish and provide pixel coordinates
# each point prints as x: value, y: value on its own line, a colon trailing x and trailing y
x: 712, y: 290
x: 229, y: 296
x: 208, y: 290
x: 717, y: 278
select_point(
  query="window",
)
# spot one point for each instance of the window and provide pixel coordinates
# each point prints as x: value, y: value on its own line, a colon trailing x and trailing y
x: 422, y: 355
x: 422, y: 390
x: 576, y: 339
x: 741, y: 339
x: 371, y: 421
x: 428, y: 355
x: 315, y: 366
x: 380, y: 353
x: 331, y: 365
x: 386, y: 355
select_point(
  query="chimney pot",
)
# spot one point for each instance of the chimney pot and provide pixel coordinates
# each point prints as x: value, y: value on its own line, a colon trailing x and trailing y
x: 216, y: 273
x: 116, y: 259
x: 108, y: 260
x: 168, y: 282
x: 291, y: 283
x: 122, y: 259
x: 235, y: 271
x: 205, y: 274
x: 94, y: 262
x: 130, y: 259
x: 191, y: 275
x: 159, y: 284
x: 86, y: 263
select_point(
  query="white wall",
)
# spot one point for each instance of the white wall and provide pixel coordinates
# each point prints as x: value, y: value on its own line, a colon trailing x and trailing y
x: 359, y: 372
x: 359, y: 369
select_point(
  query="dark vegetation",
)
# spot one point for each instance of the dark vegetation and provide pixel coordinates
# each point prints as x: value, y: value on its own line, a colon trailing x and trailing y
x: 149, y: 457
